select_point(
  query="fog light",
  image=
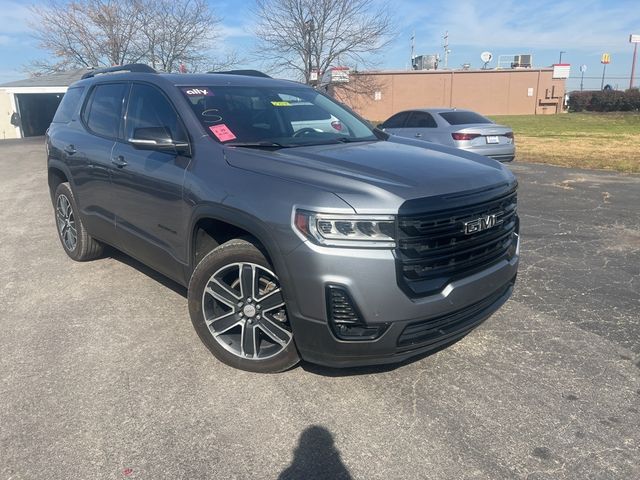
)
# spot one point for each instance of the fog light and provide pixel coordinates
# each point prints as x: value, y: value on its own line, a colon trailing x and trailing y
x: 345, y: 319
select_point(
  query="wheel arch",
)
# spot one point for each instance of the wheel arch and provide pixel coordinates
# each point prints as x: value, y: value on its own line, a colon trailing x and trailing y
x: 211, y: 227
x: 57, y: 173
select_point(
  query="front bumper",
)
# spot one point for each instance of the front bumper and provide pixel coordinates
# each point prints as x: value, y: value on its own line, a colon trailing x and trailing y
x: 370, y: 278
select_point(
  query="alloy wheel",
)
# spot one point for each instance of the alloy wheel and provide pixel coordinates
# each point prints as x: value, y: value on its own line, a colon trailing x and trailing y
x: 66, y: 223
x: 244, y: 311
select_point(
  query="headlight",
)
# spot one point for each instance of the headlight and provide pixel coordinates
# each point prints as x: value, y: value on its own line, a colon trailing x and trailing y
x: 335, y: 230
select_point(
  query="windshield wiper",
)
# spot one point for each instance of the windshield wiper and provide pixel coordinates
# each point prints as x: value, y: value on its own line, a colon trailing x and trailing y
x: 257, y: 145
x: 373, y: 138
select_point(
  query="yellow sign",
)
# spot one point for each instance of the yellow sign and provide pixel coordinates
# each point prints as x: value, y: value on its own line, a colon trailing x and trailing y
x: 606, y: 58
x: 280, y: 104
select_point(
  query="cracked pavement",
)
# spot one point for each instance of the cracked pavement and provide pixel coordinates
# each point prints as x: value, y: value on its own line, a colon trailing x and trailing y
x: 102, y: 375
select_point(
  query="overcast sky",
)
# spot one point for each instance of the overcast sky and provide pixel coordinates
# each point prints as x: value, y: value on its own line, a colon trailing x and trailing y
x: 583, y: 28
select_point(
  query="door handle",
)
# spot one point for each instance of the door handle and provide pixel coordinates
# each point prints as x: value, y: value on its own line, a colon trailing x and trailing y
x: 70, y: 149
x: 119, y: 161
x: 418, y: 134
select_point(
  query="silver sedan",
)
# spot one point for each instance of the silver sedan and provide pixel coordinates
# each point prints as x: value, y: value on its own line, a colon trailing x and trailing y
x: 455, y: 128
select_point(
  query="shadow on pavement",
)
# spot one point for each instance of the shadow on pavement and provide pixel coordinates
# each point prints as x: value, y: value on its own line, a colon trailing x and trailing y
x: 142, y: 268
x: 316, y: 457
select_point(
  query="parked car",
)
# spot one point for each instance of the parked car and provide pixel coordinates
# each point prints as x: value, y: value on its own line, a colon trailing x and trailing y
x: 462, y: 129
x: 345, y: 247
x: 307, y: 115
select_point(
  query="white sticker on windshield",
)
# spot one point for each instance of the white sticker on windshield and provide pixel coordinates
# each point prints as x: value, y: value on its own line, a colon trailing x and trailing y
x: 198, y: 91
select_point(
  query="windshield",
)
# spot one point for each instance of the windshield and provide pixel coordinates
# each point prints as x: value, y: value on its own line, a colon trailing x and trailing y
x: 274, y: 116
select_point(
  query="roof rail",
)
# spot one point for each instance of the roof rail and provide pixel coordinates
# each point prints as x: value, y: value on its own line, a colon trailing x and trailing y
x: 248, y: 73
x: 132, y: 67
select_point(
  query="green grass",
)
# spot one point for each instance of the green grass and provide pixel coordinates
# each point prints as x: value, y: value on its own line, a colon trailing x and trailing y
x: 584, y: 140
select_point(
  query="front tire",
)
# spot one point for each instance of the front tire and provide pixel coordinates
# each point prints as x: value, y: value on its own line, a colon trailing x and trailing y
x: 237, y: 307
x: 76, y: 242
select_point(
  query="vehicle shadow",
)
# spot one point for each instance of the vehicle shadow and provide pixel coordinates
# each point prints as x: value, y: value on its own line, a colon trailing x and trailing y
x: 316, y: 458
x: 119, y: 256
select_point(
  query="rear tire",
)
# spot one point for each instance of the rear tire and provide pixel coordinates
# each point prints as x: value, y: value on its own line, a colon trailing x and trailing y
x: 76, y: 242
x: 237, y: 308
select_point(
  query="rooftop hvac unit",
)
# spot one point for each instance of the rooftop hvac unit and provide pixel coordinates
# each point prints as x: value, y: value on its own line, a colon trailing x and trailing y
x: 425, y: 62
x: 521, y: 61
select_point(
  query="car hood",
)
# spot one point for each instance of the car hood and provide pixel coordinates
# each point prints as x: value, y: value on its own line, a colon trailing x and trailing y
x: 377, y: 177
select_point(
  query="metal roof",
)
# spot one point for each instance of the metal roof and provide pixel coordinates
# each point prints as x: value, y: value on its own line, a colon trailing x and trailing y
x: 62, y: 79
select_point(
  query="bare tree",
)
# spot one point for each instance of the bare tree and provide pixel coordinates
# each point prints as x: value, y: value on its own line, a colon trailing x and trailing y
x: 308, y: 35
x: 88, y: 33
x: 178, y: 32
x: 94, y: 33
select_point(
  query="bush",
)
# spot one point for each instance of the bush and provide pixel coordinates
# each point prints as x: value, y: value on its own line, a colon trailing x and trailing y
x: 605, y: 101
x: 579, y: 101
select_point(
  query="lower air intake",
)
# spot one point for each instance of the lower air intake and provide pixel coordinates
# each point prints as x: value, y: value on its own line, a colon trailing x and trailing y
x: 345, y: 319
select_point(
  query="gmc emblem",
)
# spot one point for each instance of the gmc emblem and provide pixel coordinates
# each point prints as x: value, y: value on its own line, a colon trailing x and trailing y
x: 482, y: 223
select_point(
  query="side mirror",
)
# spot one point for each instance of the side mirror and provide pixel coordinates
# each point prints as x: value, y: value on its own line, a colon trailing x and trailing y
x: 157, y: 138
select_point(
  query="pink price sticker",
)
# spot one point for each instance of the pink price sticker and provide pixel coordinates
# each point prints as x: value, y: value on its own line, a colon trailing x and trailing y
x: 222, y: 132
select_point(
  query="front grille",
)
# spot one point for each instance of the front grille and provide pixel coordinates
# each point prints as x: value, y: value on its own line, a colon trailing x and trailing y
x: 454, y: 323
x: 433, y: 248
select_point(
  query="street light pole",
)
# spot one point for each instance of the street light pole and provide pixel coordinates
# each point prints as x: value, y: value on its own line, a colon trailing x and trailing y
x: 561, y: 52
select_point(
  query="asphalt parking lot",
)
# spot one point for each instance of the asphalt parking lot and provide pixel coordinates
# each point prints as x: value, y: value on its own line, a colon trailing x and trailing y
x: 102, y: 375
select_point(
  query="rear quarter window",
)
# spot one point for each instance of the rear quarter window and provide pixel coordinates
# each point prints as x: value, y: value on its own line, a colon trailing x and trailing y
x: 68, y: 105
x: 462, y: 118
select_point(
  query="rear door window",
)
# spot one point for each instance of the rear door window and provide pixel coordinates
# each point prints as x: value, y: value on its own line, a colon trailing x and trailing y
x: 421, y: 120
x: 68, y: 106
x: 397, y: 121
x: 463, y: 118
x: 103, y: 111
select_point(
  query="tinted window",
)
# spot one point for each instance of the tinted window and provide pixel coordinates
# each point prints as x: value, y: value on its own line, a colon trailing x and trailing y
x: 397, y: 121
x: 68, y: 105
x: 421, y: 120
x: 462, y: 118
x: 102, y: 113
x: 149, y: 108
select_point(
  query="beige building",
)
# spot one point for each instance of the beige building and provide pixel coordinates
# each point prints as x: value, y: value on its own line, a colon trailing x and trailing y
x: 378, y: 95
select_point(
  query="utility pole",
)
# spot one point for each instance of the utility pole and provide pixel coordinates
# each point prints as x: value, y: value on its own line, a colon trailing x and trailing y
x: 633, y: 64
x: 635, y: 39
x: 413, y: 48
x: 561, y: 52
x: 583, y: 68
x: 446, y: 49
x: 309, y: 28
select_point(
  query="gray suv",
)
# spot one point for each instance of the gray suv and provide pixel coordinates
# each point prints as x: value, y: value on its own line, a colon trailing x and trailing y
x: 342, y: 247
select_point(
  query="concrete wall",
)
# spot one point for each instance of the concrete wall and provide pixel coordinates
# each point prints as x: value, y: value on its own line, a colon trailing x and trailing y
x: 6, y: 109
x: 378, y: 95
